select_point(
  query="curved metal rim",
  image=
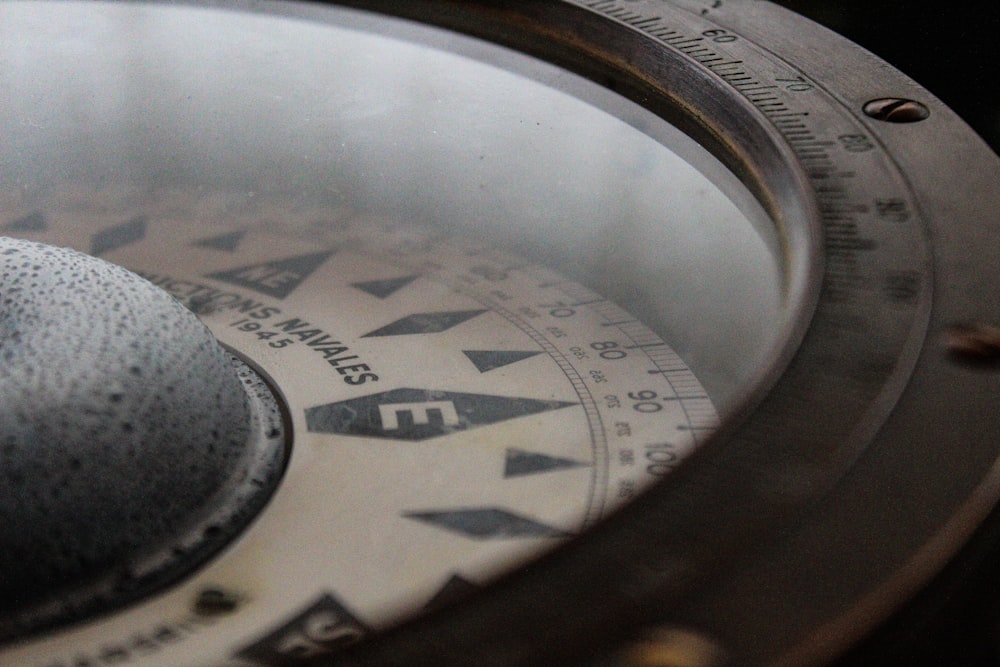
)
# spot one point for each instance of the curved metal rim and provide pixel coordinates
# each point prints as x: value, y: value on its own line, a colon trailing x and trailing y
x: 662, y: 580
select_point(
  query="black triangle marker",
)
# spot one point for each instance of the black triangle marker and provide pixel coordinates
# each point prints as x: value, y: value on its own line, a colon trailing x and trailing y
x: 384, y: 288
x: 488, y: 360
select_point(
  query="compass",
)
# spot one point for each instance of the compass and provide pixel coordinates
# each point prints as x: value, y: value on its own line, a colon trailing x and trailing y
x: 629, y: 332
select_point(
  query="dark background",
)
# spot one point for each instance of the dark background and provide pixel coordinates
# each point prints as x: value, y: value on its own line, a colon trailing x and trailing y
x: 953, y: 50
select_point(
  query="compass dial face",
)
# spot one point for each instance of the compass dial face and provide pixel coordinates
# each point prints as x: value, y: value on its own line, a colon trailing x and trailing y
x: 456, y: 409
x: 497, y: 302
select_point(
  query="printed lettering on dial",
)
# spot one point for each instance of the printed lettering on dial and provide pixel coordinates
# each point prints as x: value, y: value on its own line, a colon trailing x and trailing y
x: 418, y: 414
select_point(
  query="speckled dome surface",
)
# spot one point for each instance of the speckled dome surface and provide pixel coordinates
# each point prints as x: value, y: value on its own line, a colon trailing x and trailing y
x: 123, y: 426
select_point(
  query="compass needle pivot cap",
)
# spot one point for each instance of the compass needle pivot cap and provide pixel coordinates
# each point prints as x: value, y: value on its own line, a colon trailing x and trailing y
x: 127, y: 437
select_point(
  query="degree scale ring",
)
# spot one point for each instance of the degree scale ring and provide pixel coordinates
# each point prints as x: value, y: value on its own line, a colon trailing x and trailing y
x: 846, y: 419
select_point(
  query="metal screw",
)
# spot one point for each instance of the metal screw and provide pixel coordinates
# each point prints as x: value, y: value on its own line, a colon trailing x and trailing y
x: 673, y: 647
x: 974, y: 343
x: 896, y: 110
x: 216, y: 601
